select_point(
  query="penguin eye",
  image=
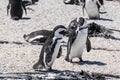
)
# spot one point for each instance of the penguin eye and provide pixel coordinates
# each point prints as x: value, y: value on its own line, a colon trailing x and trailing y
x: 73, y: 27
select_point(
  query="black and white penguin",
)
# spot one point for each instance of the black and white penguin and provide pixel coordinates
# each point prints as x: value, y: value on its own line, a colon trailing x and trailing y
x: 51, y: 48
x: 77, y: 41
x: 92, y: 8
x: 16, y: 9
x: 72, y: 27
x: 39, y: 36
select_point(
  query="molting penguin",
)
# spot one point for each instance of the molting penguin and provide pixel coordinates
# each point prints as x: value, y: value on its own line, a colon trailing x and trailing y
x: 51, y: 48
x: 16, y: 10
x: 92, y: 8
x: 77, y: 40
x: 39, y: 36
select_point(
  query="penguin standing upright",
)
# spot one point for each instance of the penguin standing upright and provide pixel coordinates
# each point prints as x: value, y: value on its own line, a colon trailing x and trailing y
x: 92, y: 8
x: 51, y: 48
x: 77, y: 40
x: 16, y: 9
x: 72, y: 27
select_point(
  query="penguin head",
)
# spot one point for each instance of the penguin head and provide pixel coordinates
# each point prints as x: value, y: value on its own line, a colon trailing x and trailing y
x: 26, y: 37
x: 72, y: 26
x: 59, y: 31
x: 81, y: 22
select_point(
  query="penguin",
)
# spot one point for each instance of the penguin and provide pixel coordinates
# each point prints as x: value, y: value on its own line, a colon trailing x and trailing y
x: 16, y: 10
x: 92, y: 8
x: 72, y: 27
x: 77, y: 40
x: 50, y: 50
x: 39, y: 36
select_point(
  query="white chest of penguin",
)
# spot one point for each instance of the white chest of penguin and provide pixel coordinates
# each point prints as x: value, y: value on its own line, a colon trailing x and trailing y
x: 79, y: 43
x: 91, y: 8
x: 56, y: 50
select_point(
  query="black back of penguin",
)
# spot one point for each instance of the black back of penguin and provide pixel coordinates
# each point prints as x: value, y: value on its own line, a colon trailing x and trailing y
x: 39, y: 36
x: 48, y: 50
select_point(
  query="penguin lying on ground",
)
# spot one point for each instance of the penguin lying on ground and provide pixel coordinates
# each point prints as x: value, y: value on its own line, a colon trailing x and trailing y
x: 71, y: 2
x: 76, y: 2
x: 96, y: 30
x: 93, y: 28
x: 92, y: 8
x: 16, y: 9
x: 39, y: 36
x: 51, y: 48
x: 77, y: 40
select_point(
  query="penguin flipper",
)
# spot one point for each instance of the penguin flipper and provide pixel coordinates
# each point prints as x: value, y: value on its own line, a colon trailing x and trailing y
x: 8, y: 7
x: 24, y: 7
x: 60, y: 52
x: 83, y: 9
x: 88, y: 45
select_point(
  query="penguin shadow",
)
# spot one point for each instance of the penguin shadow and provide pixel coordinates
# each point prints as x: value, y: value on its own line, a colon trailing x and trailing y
x: 91, y: 63
x: 102, y: 12
x: 25, y: 18
x: 56, y: 71
x: 50, y: 71
x: 103, y: 19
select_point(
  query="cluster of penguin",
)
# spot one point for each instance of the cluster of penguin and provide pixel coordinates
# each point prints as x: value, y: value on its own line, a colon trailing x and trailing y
x: 78, y: 32
x: 92, y: 7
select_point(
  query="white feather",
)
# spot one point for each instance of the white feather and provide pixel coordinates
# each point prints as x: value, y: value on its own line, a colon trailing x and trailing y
x: 37, y: 37
x: 91, y: 8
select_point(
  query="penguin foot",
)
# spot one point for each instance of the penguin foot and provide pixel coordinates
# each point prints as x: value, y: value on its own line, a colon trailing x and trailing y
x: 49, y: 69
x: 81, y: 60
x: 69, y: 60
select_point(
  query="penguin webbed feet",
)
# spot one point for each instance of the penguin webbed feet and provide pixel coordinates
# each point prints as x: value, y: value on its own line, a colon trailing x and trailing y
x: 37, y: 67
x: 68, y: 60
x: 81, y: 60
x: 40, y: 67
